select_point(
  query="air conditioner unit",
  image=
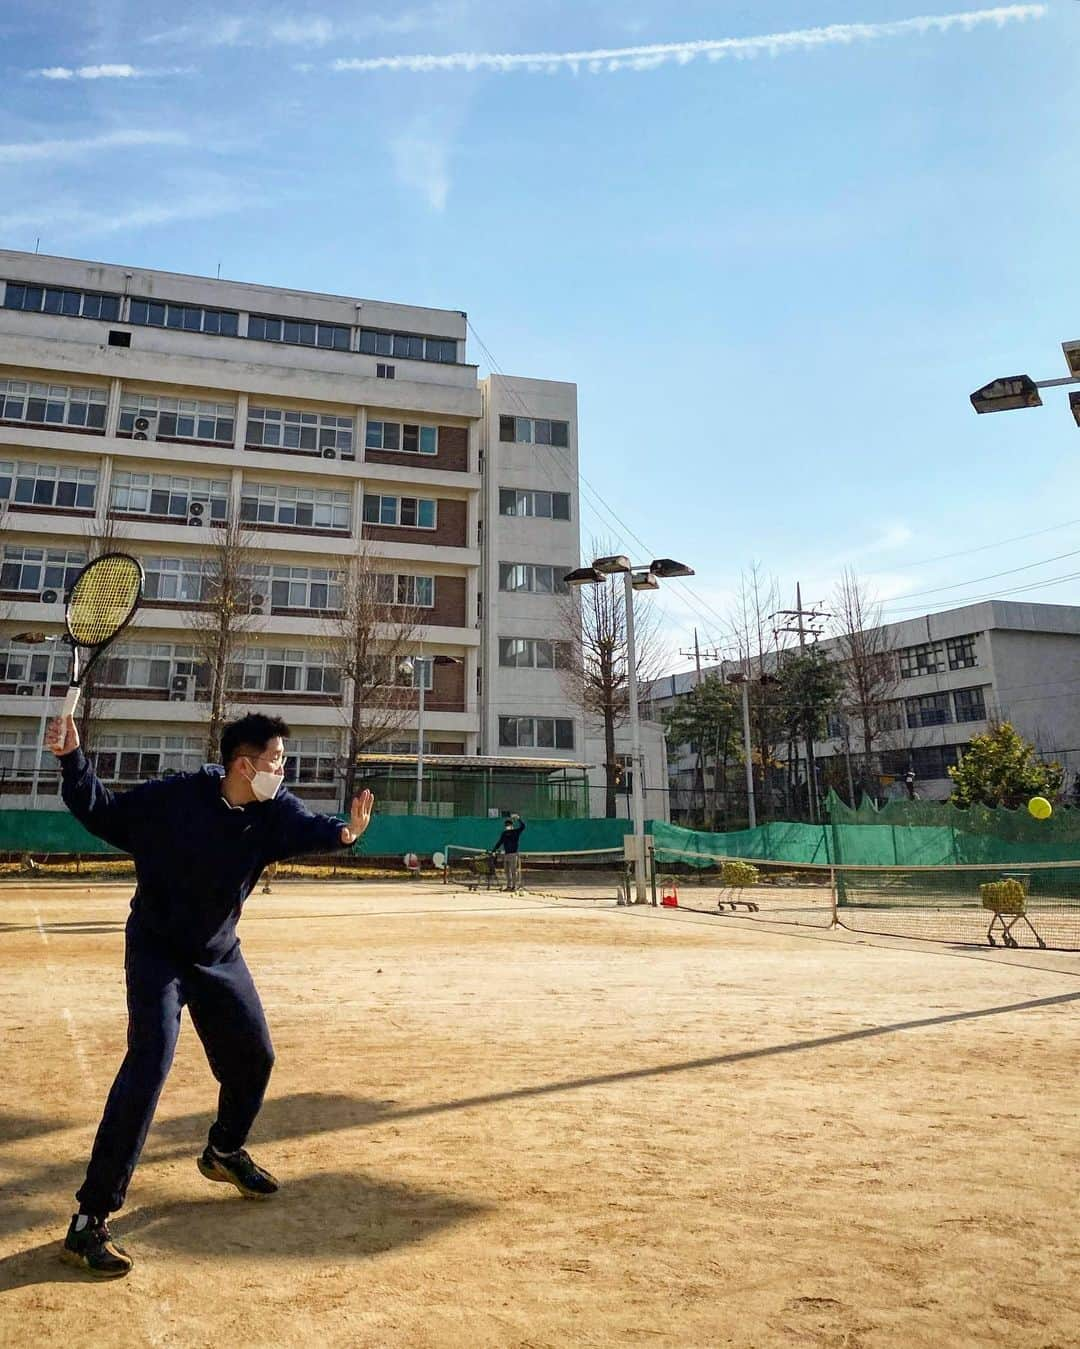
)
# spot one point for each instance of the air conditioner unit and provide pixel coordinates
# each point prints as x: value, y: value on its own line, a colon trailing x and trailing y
x: 30, y: 690
x: 196, y: 510
x: 257, y: 604
x: 182, y: 688
x: 145, y: 426
x: 329, y: 453
x: 49, y: 597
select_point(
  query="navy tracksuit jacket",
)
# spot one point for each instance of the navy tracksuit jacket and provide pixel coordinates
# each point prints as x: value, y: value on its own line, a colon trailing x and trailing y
x: 196, y: 861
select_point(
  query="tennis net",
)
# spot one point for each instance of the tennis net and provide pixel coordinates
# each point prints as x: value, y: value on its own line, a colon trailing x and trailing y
x: 594, y: 873
x: 769, y: 891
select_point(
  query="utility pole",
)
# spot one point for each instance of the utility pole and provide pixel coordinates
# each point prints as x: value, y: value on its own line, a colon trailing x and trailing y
x: 801, y: 617
x: 748, y: 756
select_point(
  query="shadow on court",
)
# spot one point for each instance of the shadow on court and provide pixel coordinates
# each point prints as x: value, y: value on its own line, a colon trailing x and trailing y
x: 332, y: 1216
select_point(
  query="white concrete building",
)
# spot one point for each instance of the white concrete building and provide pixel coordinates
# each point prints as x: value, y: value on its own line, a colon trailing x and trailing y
x: 143, y: 406
x: 955, y: 672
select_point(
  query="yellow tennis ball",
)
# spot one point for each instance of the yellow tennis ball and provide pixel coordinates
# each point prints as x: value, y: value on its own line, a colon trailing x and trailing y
x: 1040, y: 808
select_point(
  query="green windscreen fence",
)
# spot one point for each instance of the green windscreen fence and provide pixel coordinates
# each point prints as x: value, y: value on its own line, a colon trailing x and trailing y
x: 915, y: 833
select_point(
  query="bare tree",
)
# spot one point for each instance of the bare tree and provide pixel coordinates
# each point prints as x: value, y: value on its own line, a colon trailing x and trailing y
x: 596, y: 674
x: 868, y: 666
x: 371, y: 635
x: 222, y: 622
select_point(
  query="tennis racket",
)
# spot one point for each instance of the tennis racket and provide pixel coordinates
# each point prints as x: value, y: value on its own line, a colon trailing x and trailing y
x: 101, y: 603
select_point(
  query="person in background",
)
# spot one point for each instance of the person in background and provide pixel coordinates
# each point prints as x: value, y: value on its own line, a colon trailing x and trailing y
x: 509, y: 841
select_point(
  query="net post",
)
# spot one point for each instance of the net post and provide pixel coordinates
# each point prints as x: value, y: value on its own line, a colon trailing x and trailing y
x: 650, y: 862
x: 834, y: 897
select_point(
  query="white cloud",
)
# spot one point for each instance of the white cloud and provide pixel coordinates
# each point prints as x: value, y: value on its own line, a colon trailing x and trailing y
x: 606, y: 60
x: 69, y: 221
x: 107, y: 72
x: 421, y: 157
x: 29, y: 152
x: 306, y: 30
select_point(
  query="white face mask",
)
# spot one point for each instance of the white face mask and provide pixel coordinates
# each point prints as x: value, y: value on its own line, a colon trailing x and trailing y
x: 266, y: 785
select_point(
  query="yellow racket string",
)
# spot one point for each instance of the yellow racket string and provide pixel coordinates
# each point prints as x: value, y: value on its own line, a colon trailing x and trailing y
x: 103, y: 599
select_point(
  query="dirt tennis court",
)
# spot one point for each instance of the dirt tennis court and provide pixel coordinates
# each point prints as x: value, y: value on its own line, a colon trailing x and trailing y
x: 526, y: 1122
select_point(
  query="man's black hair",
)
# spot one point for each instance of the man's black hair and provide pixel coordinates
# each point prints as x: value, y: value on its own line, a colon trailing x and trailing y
x: 253, y: 731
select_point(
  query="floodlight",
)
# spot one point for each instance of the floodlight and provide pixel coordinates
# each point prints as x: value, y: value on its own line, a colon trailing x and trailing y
x: 29, y: 638
x: 584, y: 576
x: 1072, y: 356
x: 645, y: 580
x: 1074, y: 407
x: 667, y: 568
x: 1003, y: 395
x: 611, y: 566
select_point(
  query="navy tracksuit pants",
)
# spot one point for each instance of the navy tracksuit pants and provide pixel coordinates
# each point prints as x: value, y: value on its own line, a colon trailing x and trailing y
x: 228, y: 1016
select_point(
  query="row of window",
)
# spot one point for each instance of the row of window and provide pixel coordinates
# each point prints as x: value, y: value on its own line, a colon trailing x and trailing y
x: 405, y: 512
x: 956, y: 653
x: 532, y: 578
x: 541, y: 505
x: 228, y: 323
x: 534, y: 653
x: 534, y: 431
x: 939, y: 709
x: 181, y: 418
x: 281, y: 428
x: 927, y: 763
x: 536, y: 733
x: 52, y: 404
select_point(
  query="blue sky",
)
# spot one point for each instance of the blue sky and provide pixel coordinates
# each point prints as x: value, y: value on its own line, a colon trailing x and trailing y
x: 775, y: 270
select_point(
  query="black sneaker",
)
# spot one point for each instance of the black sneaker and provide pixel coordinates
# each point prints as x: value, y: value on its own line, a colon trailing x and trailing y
x: 238, y: 1169
x: 94, y: 1249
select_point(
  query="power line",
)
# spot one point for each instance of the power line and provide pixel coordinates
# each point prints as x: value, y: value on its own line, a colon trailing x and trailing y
x: 963, y: 600
x: 982, y: 548
x: 975, y: 580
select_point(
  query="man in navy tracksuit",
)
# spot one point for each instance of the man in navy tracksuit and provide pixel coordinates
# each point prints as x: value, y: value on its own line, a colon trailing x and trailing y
x: 508, y: 843
x: 200, y: 841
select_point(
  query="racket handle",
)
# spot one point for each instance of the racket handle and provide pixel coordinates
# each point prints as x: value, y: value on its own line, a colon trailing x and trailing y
x: 71, y: 702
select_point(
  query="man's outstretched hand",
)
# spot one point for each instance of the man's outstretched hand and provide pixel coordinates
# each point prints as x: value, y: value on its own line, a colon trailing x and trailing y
x: 359, y: 817
x: 62, y: 736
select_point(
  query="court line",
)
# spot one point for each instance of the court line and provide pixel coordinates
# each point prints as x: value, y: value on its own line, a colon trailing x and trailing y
x: 65, y: 1011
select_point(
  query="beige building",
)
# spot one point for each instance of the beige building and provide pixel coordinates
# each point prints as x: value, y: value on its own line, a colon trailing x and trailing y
x: 145, y: 407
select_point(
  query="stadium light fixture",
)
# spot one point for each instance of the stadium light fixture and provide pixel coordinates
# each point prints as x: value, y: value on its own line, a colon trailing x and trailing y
x: 612, y: 566
x: 668, y: 569
x: 644, y: 580
x: 584, y: 576
x: 1021, y: 391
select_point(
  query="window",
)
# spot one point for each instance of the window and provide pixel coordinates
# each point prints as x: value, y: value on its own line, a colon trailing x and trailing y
x: 536, y: 733
x: 929, y: 658
x: 49, y: 300
x: 932, y: 710
x: 411, y: 591
x: 56, y: 485
x: 52, y: 404
x: 934, y: 761
x: 543, y: 505
x: 164, y: 494
x: 189, y: 318
x: 533, y: 578
x: 313, y: 588
x: 534, y: 431
x: 625, y: 763
x: 312, y: 760
x: 533, y: 653
x: 181, y: 579
x: 31, y: 570
x: 970, y: 704
x: 408, y: 346
x: 406, y: 512
x: 30, y: 664
x: 119, y: 338
x: 180, y: 418
x: 295, y: 507
x: 298, y: 332
x: 18, y: 750
x: 961, y: 652
x: 408, y: 438
x: 279, y: 428
x: 276, y: 669
x: 384, y: 371
x: 134, y: 758
x: 150, y: 665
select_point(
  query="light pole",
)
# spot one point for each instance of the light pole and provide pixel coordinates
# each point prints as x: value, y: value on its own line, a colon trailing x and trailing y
x: 1021, y: 391
x: 644, y: 577
x: 743, y: 682
x: 36, y: 639
x: 413, y: 665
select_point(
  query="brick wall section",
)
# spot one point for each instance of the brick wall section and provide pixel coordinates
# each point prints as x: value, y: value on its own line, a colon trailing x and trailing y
x: 449, y: 532
x: 453, y: 456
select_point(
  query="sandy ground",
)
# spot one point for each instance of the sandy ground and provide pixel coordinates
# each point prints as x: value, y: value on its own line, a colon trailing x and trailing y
x: 517, y: 1122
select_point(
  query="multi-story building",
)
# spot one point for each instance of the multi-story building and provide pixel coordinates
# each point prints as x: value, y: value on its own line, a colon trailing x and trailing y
x: 950, y: 675
x: 142, y: 409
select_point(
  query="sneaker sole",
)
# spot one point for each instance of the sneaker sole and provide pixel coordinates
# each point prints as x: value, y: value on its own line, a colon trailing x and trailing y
x: 80, y: 1262
x: 212, y: 1173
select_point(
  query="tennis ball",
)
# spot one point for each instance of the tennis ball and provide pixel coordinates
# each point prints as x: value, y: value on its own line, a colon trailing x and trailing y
x: 1040, y: 808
